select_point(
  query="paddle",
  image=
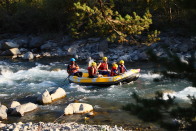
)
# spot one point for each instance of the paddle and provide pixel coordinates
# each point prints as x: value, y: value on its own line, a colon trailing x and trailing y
x: 67, y: 77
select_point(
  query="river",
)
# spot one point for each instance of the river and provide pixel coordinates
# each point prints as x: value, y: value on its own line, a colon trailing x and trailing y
x: 25, y: 80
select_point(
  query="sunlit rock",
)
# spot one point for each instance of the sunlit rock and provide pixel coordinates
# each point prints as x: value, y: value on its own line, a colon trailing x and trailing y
x: 58, y: 94
x: 28, y: 56
x: 14, y: 104
x: 9, y: 45
x: 2, y: 125
x: 24, y: 108
x: 45, y: 98
x: 3, y: 112
x: 11, y: 52
x: 77, y: 108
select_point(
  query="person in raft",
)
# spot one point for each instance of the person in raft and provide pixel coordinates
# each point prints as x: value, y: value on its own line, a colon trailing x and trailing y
x: 114, y: 70
x: 72, y: 68
x: 121, y: 67
x: 92, y: 70
x: 103, y: 67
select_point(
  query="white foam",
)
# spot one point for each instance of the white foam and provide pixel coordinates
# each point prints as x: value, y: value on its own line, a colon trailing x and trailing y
x: 42, y: 84
x: 150, y: 76
x: 2, y: 95
x: 80, y: 88
x: 83, y: 90
x: 33, y: 73
x: 5, y: 78
x: 182, y: 94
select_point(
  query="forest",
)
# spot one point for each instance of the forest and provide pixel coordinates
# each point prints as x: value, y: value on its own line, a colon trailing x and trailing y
x: 120, y: 20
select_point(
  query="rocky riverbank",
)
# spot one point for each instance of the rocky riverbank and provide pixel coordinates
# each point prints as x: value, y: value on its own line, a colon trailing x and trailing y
x: 57, y: 127
x: 31, y: 47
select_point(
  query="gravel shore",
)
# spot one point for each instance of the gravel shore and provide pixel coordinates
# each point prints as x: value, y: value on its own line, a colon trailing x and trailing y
x: 41, y: 126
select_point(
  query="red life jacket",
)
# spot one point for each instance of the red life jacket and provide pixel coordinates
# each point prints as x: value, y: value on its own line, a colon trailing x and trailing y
x: 121, y: 68
x: 72, y: 68
x: 103, y: 66
x: 91, y: 72
x: 114, y: 71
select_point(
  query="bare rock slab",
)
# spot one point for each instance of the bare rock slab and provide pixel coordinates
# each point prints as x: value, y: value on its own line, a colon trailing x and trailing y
x: 24, y: 108
x: 77, y: 108
x: 3, y: 112
x: 9, y: 45
x: 45, y: 98
x: 14, y: 104
x: 58, y: 94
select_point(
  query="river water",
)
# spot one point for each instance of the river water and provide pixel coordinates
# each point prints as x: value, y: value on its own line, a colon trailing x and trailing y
x: 25, y: 80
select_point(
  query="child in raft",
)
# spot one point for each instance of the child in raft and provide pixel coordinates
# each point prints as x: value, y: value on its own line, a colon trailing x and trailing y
x: 92, y: 71
x: 121, y: 67
x: 114, y: 70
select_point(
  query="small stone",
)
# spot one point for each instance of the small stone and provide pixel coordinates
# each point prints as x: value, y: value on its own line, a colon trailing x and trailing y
x: 2, y: 125
x: 16, y: 129
x: 20, y: 123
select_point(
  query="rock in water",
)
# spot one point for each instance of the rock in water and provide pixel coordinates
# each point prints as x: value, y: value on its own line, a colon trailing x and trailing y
x: 45, y: 98
x: 14, y: 104
x: 58, y: 94
x: 3, y: 112
x: 24, y: 108
x: 77, y: 108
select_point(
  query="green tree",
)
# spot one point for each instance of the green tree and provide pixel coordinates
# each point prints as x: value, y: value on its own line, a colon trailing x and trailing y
x: 101, y: 20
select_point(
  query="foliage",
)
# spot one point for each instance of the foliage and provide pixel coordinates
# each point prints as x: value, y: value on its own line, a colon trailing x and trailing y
x: 40, y: 16
x: 101, y: 20
x: 149, y: 109
x: 173, y: 63
x: 154, y: 110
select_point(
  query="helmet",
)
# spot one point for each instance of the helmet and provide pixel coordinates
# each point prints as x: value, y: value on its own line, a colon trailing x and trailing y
x: 115, y: 65
x: 72, y: 59
x: 104, y: 58
x: 121, y: 62
x: 93, y: 63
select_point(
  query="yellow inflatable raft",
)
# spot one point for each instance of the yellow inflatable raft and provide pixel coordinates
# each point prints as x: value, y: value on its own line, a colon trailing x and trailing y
x: 130, y: 75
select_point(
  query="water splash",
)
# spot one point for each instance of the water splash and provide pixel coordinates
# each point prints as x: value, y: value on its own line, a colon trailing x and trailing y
x: 182, y: 94
x: 150, y: 76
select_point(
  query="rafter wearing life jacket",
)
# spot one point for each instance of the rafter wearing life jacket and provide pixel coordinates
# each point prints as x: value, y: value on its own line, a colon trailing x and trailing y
x: 72, y: 69
x: 103, y: 67
x: 121, y: 67
x: 92, y: 70
x: 114, y: 70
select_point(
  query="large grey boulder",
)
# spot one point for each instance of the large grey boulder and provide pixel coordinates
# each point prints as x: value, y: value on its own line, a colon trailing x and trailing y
x: 45, y: 98
x: 24, y: 108
x: 11, y: 52
x: 28, y: 56
x: 75, y: 46
x: 48, y: 45
x: 58, y: 94
x: 22, y: 41
x: 8, y: 45
x: 77, y: 108
x: 35, y: 42
x: 3, y: 112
